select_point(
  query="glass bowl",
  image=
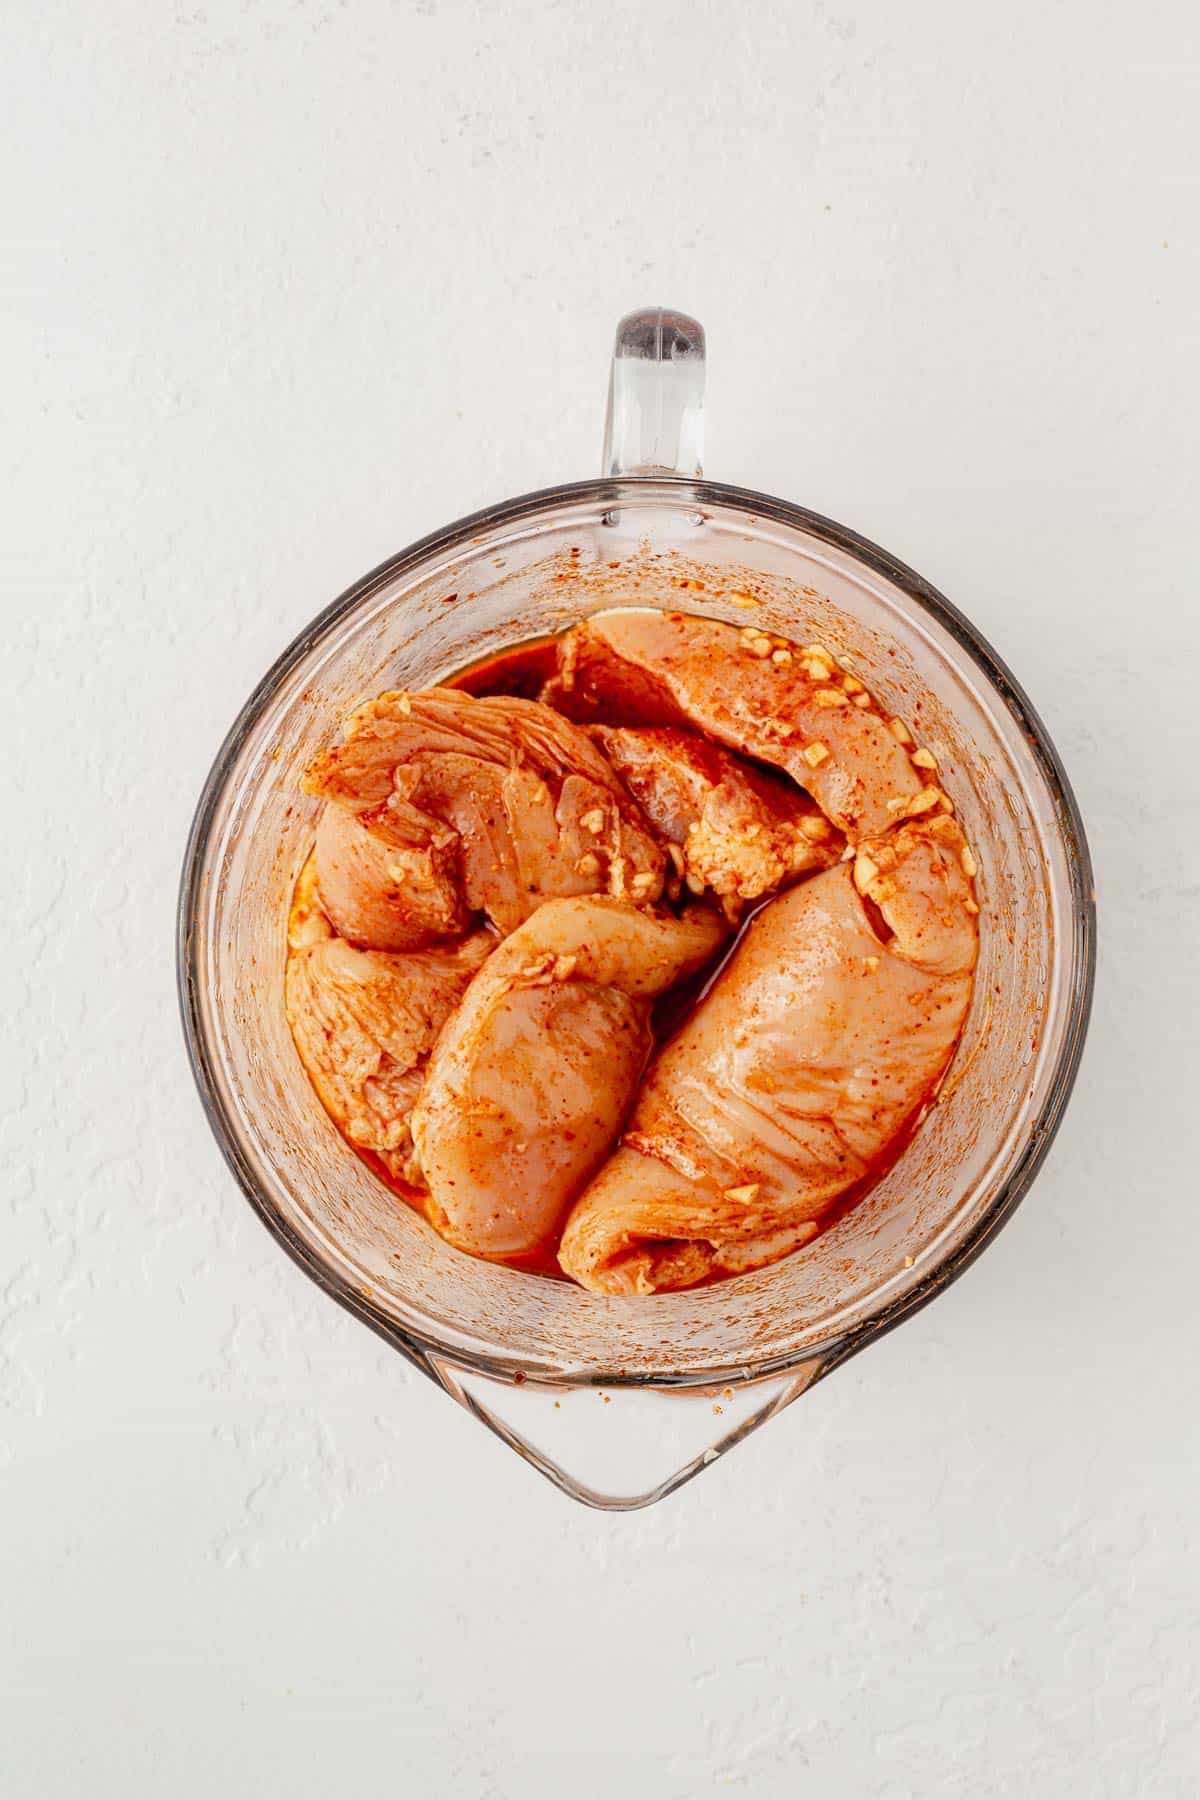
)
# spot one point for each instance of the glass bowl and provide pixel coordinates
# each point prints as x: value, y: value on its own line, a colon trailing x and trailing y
x: 687, y: 1374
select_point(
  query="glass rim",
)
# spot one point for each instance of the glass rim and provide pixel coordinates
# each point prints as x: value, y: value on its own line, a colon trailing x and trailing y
x: 696, y: 492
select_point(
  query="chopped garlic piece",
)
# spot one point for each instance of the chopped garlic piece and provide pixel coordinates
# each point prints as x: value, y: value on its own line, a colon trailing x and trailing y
x: 911, y: 807
x: 865, y: 871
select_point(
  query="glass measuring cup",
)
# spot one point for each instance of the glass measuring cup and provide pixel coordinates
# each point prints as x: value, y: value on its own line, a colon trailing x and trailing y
x: 687, y: 1374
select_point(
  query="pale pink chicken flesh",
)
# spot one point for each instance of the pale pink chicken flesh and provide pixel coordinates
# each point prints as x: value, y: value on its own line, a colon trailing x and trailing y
x: 780, y: 703
x: 364, y: 1022
x: 807, y: 1062
x: 469, y: 806
x: 742, y: 832
x: 531, y: 1079
x: 385, y: 885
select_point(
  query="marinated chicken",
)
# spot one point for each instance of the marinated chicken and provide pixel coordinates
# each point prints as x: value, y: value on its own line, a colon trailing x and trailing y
x: 785, y: 705
x: 389, y: 881
x: 742, y: 833
x: 501, y: 889
x: 456, y: 806
x: 364, y: 1022
x: 799, y: 1072
x: 532, y: 1078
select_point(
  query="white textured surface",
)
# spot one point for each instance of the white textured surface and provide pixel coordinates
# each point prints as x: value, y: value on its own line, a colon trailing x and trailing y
x: 284, y: 286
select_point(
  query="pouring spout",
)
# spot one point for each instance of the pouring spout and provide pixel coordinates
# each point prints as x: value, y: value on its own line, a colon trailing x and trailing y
x: 622, y: 1448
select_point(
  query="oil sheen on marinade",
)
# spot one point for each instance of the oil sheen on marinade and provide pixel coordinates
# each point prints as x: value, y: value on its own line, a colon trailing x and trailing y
x: 666, y: 683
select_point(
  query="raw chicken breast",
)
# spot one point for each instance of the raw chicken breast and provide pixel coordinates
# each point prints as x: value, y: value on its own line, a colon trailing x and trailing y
x: 796, y: 1077
x: 531, y: 1079
x: 387, y: 883
x: 364, y: 1022
x: 489, y: 805
x: 743, y: 833
x: 787, y: 706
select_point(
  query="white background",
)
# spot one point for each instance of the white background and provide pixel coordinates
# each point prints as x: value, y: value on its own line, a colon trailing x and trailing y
x: 284, y: 286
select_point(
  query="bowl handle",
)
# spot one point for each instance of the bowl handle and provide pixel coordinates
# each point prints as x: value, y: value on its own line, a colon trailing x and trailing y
x: 655, y: 420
